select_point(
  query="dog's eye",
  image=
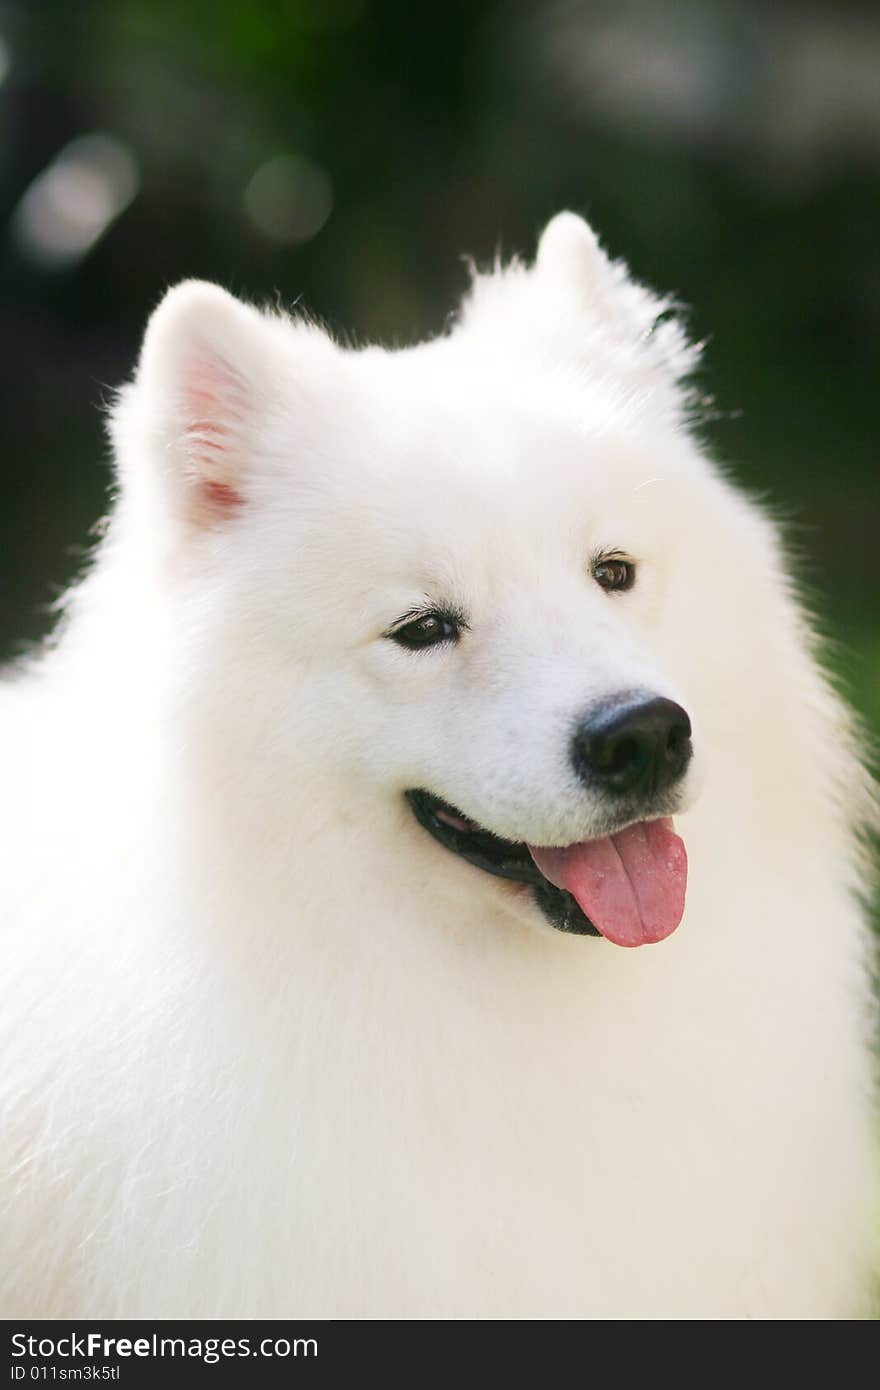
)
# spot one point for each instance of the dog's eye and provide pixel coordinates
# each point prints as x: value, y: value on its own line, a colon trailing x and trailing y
x: 427, y: 630
x: 614, y: 574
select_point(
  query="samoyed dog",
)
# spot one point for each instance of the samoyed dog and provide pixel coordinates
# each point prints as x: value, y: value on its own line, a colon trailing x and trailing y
x: 430, y: 866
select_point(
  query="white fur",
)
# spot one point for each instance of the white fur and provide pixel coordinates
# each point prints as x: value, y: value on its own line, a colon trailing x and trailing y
x: 268, y: 1049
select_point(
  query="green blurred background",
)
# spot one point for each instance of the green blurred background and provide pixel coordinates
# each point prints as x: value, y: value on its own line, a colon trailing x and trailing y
x: 347, y: 152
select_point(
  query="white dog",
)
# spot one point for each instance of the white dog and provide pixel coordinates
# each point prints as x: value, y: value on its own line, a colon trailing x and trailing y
x: 328, y: 813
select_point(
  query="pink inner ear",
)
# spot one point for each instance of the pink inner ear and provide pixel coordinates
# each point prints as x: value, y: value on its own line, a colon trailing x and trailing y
x: 214, y: 403
x: 221, y: 498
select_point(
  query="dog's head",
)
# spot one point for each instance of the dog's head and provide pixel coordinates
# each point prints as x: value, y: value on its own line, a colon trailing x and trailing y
x: 462, y: 576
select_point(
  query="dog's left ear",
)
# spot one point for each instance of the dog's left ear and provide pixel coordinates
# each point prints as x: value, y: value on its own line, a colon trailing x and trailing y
x: 569, y: 252
x: 576, y: 305
x: 573, y: 268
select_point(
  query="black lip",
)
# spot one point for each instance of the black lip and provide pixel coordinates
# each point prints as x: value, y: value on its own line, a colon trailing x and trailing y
x: 503, y: 858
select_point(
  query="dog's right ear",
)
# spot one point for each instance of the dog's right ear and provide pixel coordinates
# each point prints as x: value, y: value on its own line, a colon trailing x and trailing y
x: 208, y: 375
x: 203, y: 376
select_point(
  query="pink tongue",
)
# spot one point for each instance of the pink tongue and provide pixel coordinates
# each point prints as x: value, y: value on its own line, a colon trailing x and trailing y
x: 630, y: 885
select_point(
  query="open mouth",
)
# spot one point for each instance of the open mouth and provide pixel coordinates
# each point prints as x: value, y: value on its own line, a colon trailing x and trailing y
x: 504, y: 858
x: 628, y: 887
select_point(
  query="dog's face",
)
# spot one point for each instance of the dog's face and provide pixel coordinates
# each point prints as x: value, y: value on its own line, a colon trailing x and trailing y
x: 459, y: 570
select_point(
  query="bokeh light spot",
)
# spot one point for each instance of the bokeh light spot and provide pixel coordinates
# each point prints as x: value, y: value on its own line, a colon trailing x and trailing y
x: 73, y: 202
x: 289, y: 198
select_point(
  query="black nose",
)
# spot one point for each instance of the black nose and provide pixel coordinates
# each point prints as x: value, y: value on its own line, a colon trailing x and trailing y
x: 642, y: 746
